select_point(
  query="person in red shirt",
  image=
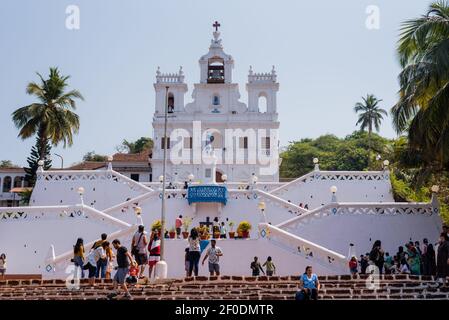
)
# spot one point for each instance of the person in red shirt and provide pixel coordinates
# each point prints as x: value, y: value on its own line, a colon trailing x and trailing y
x: 133, y: 272
x: 178, y: 225
x: 353, y: 264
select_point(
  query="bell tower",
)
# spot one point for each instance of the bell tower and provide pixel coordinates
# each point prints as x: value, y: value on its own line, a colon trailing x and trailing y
x: 262, y: 86
x: 216, y: 66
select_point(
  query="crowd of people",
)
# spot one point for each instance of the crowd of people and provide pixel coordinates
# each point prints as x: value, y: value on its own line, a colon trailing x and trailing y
x: 413, y: 258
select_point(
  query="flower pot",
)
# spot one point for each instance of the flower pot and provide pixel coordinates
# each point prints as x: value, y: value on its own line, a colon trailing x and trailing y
x: 203, y: 237
x: 216, y: 235
x: 185, y: 234
x: 245, y: 234
x: 231, y: 234
x: 172, y: 235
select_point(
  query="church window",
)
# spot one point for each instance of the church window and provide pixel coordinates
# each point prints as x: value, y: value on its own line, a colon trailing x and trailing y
x: 208, y: 173
x: 188, y: 142
x: 262, y: 103
x: 216, y: 100
x: 171, y: 103
x: 163, y: 143
x: 243, y: 142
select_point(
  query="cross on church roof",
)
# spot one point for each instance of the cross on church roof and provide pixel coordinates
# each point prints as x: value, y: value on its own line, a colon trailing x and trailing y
x: 216, y: 25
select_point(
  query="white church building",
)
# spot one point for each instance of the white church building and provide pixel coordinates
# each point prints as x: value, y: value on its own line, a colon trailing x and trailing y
x: 243, y: 136
x: 344, y: 207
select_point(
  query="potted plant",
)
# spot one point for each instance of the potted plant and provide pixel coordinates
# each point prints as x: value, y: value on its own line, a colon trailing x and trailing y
x: 157, y: 227
x: 244, y: 228
x: 203, y: 232
x: 186, y: 222
x: 231, y: 229
x: 172, y: 233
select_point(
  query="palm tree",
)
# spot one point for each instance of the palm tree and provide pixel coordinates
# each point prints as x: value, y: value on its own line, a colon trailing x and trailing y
x: 423, y: 106
x: 51, y: 118
x: 370, y: 115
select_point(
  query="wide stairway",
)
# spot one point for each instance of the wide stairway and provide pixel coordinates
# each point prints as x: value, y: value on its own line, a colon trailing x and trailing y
x: 231, y: 287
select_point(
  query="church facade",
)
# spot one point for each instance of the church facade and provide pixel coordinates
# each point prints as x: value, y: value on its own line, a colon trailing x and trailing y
x: 243, y: 137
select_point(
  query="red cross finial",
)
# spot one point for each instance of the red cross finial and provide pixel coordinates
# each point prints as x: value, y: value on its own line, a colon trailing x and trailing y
x: 216, y: 25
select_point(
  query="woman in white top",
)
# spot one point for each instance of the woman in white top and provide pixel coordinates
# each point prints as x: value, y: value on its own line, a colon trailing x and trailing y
x: 194, y: 252
x: 2, y: 265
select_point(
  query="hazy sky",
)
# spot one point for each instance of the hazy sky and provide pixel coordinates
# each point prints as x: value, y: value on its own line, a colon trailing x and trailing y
x: 325, y: 56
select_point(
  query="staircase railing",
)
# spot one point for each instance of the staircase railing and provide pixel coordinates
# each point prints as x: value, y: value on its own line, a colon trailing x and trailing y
x: 358, y: 208
x: 11, y: 214
x: 59, y: 261
x: 80, y: 175
x: 333, y: 176
x: 309, y: 250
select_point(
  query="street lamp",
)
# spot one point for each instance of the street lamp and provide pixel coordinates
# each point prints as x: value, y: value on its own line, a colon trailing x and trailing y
x: 110, y: 158
x: 191, y: 177
x: 261, y: 206
x: 161, y: 266
x: 334, y: 190
x: 40, y: 165
x: 62, y: 159
x: 315, y: 162
x: 386, y: 163
x: 81, y: 193
x: 224, y: 177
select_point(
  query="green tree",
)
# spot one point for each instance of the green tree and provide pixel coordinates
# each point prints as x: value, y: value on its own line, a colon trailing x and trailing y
x: 370, y: 117
x: 422, y: 109
x: 92, y: 156
x: 132, y: 147
x: 51, y: 119
x: 33, y: 159
x: 7, y: 164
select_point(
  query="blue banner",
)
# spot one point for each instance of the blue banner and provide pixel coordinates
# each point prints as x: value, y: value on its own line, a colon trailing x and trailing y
x: 207, y: 193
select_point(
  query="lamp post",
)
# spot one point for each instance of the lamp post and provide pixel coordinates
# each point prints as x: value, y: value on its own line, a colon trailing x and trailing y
x: 62, y: 160
x: 435, y: 203
x: 316, y: 163
x: 110, y: 158
x: 40, y: 165
x: 261, y: 206
x: 81, y: 193
x: 334, y: 190
x: 190, y: 177
x: 161, y: 266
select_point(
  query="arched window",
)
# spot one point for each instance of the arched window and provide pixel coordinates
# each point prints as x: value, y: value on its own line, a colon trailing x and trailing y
x: 216, y: 100
x: 171, y: 103
x: 262, y: 102
x: 18, y: 182
x: 7, y: 184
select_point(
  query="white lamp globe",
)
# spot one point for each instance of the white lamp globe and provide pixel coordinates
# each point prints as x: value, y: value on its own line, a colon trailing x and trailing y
x: 254, y: 178
x: 191, y: 177
x: 315, y: 160
x: 161, y: 178
x: 261, y: 205
x: 435, y: 189
x: 80, y: 191
x: 137, y: 210
x: 334, y: 189
x: 40, y: 163
x: 224, y: 177
x: 386, y: 163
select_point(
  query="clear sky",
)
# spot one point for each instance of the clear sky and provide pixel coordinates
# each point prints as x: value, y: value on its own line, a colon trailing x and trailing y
x: 325, y: 56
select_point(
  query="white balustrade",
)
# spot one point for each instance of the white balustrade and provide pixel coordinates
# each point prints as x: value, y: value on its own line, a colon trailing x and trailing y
x: 91, y: 175
x: 368, y: 208
x: 332, y: 176
x: 309, y: 250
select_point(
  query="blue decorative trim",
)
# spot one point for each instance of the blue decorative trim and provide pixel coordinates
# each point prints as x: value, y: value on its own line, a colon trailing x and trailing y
x: 207, y: 193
